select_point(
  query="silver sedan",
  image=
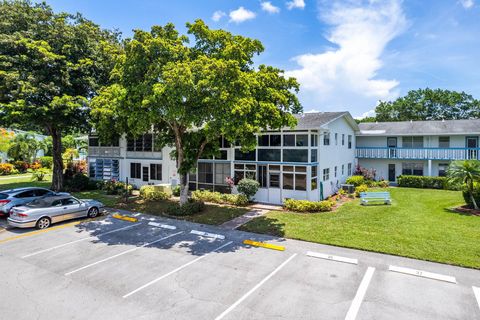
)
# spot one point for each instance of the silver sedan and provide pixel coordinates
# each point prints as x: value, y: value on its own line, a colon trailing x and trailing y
x: 41, y: 213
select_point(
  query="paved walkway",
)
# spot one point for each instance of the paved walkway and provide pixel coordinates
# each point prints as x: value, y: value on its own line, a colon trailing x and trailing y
x: 258, y: 210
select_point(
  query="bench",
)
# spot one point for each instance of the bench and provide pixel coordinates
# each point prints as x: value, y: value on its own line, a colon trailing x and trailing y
x: 365, y: 197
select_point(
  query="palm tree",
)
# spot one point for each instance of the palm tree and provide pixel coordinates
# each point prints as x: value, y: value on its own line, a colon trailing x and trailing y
x: 465, y: 172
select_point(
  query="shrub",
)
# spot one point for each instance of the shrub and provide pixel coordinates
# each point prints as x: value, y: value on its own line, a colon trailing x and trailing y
x: 355, y: 180
x: 39, y: 175
x: 360, y: 188
x: 116, y: 187
x: 383, y: 183
x: 248, y: 187
x: 364, y: 172
x: 308, y: 206
x: 46, y: 162
x: 150, y: 193
x: 21, y: 166
x: 476, y: 195
x: 81, y: 182
x: 176, y: 191
x: 7, y: 168
x: 422, y: 182
x: 35, y: 165
x: 190, y: 208
x: 217, y: 197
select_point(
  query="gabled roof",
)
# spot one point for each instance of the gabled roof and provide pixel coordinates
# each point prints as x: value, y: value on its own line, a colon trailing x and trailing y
x: 317, y: 120
x: 440, y: 127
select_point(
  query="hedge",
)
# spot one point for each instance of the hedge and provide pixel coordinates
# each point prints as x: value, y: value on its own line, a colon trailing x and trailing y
x: 151, y: 193
x: 189, y: 208
x: 308, y: 206
x: 217, y: 197
x: 422, y: 182
x: 355, y: 180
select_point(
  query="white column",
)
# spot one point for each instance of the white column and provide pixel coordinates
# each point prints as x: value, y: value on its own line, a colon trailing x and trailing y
x: 429, y: 167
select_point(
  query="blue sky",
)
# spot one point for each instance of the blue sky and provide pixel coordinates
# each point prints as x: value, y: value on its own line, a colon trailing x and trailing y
x: 346, y: 54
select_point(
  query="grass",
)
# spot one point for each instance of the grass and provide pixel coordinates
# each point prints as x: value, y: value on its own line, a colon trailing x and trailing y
x: 212, y: 214
x: 419, y: 224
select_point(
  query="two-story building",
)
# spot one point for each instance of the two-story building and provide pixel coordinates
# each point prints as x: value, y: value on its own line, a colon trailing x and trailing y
x: 307, y: 162
x: 422, y: 148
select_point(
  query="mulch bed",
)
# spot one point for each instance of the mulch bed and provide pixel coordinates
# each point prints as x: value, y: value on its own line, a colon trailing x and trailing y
x: 465, y: 209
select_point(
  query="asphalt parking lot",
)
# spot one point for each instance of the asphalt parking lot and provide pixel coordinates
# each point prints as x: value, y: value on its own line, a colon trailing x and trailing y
x: 114, y: 269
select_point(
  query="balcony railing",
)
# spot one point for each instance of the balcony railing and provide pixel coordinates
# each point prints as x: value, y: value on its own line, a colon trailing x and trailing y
x: 418, y: 153
x: 104, y: 151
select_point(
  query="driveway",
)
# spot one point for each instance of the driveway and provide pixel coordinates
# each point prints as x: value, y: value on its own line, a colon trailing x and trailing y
x: 114, y: 269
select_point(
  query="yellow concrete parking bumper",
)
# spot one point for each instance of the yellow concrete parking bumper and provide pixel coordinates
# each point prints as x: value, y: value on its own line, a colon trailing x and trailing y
x: 264, y: 245
x: 126, y: 218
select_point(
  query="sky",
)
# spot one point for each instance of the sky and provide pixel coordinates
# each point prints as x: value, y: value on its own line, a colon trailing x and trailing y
x: 347, y: 55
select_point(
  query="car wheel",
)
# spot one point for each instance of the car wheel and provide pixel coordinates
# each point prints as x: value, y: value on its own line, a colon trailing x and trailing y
x: 93, y: 212
x: 43, y: 223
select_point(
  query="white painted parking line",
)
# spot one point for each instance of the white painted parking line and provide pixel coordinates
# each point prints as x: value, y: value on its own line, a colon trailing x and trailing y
x: 423, y: 274
x: 161, y: 225
x: 207, y: 234
x: 175, y: 270
x: 121, y: 254
x: 258, y: 285
x: 362, y: 289
x: 79, y: 240
x: 476, y: 292
x: 331, y: 257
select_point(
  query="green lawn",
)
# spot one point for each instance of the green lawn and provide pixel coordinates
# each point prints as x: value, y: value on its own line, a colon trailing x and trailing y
x: 418, y: 224
x: 212, y: 214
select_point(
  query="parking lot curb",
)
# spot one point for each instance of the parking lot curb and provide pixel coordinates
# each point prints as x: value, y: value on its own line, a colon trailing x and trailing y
x: 125, y: 218
x: 264, y: 245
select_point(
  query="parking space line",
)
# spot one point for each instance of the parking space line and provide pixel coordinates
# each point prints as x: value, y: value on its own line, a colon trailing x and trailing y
x: 207, y: 234
x: 362, y: 289
x: 161, y: 225
x: 423, y: 274
x: 476, y: 292
x: 175, y: 270
x: 258, y: 285
x: 331, y: 257
x: 120, y: 254
x: 79, y: 240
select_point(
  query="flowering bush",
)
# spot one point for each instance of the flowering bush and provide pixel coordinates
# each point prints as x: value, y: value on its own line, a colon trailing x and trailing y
x: 116, y: 187
x: 7, y: 168
x: 21, y: 166
x: 35, y: 166
x: 368, y: 174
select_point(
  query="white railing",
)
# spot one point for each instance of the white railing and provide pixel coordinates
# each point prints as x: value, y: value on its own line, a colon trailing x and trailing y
x: 418, y: 153
x: 104, y: 151
x: 145, y: 154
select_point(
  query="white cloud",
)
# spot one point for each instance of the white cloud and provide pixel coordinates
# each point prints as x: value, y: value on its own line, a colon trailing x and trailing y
x: 217, y: 15
x: 269, y: 7
x: 241, y: 15
x: 300, y: 4
x: 369, y: 113
x: 346, y: 76
x: 467, y: 4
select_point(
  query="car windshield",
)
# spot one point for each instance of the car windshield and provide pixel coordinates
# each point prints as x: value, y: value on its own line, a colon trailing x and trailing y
x: 3, y: 196
x: 39, y: 203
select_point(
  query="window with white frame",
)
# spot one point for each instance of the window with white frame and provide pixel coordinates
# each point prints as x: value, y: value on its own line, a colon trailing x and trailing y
x: 326, y: 139
x: 444, y: 142
x: 314, y: 140
x: 336, y: 139
x: 244, y: 171
x: 349, y: 169
x: 349, y: 141
x: 135, y: 170
x: 412, y: 168
x: 295, y: 178
x: 335, y: 171
x: 326, y: 174
x: 442, y: 169
x: 314, y: 181
x: 343, y: 139
x: 343, y: 169
x: 412, y: 142
x: 155, y: 171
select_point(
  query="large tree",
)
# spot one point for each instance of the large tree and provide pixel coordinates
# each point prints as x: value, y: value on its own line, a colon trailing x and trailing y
x: 429, y: 104
x: 191, y: 95
x: 51, y: 64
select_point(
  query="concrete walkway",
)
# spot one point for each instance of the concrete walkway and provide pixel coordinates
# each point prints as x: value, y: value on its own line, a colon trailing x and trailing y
x: 258, y: 210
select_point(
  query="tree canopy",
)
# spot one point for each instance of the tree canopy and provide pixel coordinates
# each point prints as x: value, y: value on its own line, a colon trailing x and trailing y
x: 51, y: 64
x: 191, y: 95
x: 429, y: 104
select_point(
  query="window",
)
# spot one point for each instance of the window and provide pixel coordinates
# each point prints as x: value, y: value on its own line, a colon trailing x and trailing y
x: 57, y: 203
x: 93, y: 142
x: 411, y: 168
x: 349, y: 170
x: 26, y: 194
x: 295, y: 155
x: 223, y: 143
x: 242, y: 170
x: 41, y: 192
x: 262, y: 176
x: 142, y: 143
x: 264, y: 141
x: 275, y: 140
x: 269, y: 154
x: 326, y: 139
x: 442, y: 169
x: 314, y: 183
x: 155, y: 171
x: 274, y: 175
x: 336, y: 139
x: 335, y: 172
x: 444, y: 142
x: 205, y: 172
x: 130, y: 144
x: 135, y: 170
x: 69, y: 202
x: 314, y: 140
x: 147, y: 142
x: 289, y: 140
x: 139, y: 144
x: 314, y: 171
x: 349, y: 141
x: 412, y: 142
x: 302, y: 140
x: 326, y: 174
x: 313, y: 155
x: 343, y: 169
x: 300, y: 182
x: 222, y: 171
x: 343, y: 139
x: 223, y: 155
x: 288, y: 181
x: 247, y: 156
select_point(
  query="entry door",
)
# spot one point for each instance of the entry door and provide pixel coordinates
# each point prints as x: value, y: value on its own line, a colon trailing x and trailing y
x: 391, y: 172
x: 145, y: 174
x: 472, y: 145
x: 392, y: 147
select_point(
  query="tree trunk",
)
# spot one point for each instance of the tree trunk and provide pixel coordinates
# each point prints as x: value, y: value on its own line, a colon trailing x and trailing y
x: 475, y: 205
x: 57, y: 178
x: 183, y: 189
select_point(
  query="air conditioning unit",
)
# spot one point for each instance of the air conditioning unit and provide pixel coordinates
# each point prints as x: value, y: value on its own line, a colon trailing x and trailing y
x: 349, y: 188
